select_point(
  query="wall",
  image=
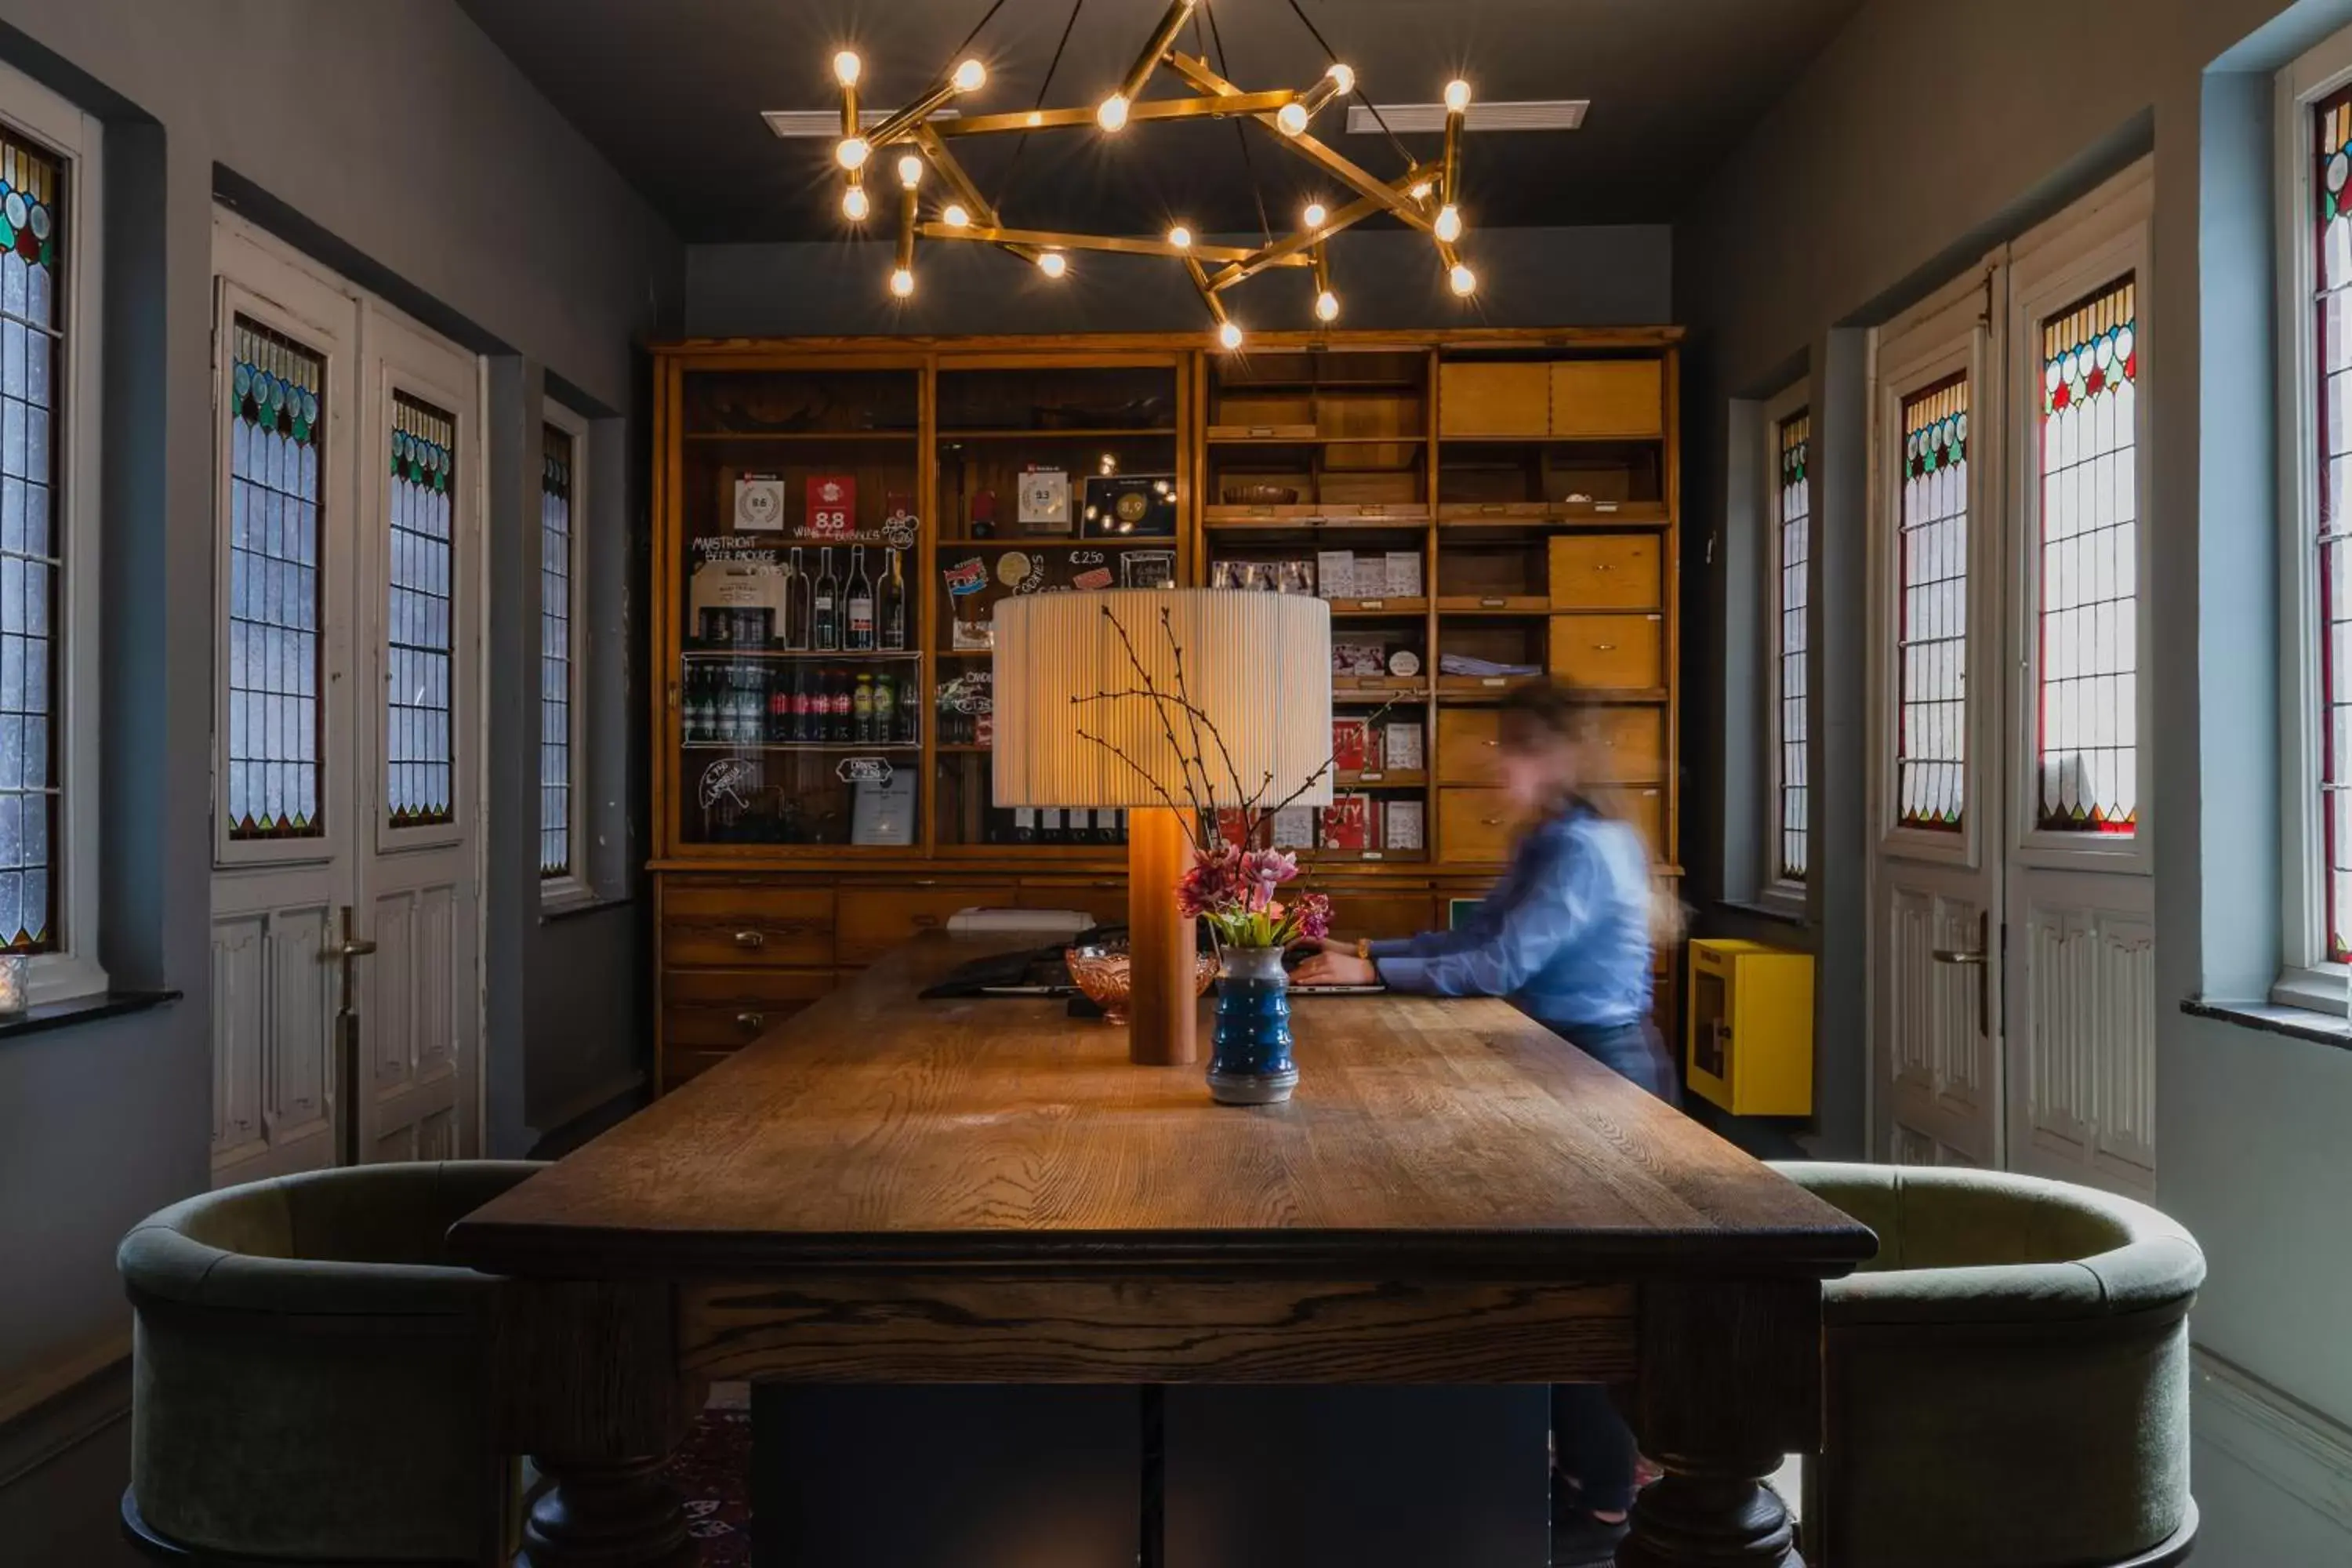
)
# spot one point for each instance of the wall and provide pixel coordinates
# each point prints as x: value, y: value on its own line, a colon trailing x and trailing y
x: 1549, y: 277
x: 1918, y: 139
x: 398, y: 141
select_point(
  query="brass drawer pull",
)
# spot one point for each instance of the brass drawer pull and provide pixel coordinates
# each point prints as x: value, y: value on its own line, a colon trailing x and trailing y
x: 750, y: 1023
x: 751, y: 939
x: 1604, y: 648
x: 1491, y: 821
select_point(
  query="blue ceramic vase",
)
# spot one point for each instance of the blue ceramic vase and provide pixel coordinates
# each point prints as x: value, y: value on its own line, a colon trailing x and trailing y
x: 1249, y: 1060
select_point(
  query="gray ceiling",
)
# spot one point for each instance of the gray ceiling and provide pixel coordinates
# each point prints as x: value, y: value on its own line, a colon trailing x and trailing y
x: 671, y: 91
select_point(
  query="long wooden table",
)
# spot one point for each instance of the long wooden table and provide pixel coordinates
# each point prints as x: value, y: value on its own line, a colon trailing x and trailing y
x: 892, y: 1191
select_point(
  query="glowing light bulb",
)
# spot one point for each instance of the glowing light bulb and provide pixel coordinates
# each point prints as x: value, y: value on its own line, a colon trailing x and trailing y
x: 854, y: 204
x: 1465, y: 281
x: 1420, y: 189
x: 911, y: 171
x: 1448, y: 226
x: 1036, y: 117
x: 1345, y: 77
x: 1229, y: 335
x: 971, y: 76
x: 848, y: 68
x: 1180, y: 237
x: 1326, y: 306
x: 853, y: 152
x: 1053, y: 263
x: 955, y: 216
x: 1457, y: 96
x: 902, y: 282
x: 1111, y: 112
x: 1315, y: 215
x: 1292, y: 118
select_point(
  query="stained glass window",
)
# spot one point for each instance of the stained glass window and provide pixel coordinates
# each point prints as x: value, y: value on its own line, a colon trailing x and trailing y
x: 555, y: 655
x: 32, y: 334
x: 1931, y: 755
x: 1796, y: 553
x: 2089, y: 779
x: 2333, y: 235
x: 417, y: 739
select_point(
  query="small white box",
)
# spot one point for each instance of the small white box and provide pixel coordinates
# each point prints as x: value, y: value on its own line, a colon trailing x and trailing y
x: 1400, y: 825
x: 1403, y: 747
x: 1334, y: 573
x: 1293, y: 827
x: 1402, y: 577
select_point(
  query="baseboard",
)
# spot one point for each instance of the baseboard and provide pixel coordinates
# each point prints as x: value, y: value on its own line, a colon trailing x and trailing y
x: 2302, y: 1451
x: 71, y: 1397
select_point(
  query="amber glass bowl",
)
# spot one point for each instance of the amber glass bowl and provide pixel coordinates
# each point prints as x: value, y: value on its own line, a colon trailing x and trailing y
x: 1101, y: 972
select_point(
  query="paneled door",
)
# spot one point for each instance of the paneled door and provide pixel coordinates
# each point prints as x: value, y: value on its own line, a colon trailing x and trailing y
x: 2012, y: 879
x: 346, y: 992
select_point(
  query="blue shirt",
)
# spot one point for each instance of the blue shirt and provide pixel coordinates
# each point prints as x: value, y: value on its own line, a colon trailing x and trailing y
x: 1564, y: 937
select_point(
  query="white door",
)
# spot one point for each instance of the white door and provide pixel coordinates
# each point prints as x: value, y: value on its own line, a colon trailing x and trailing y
x: 346, y: 999
x: 2011, y: 882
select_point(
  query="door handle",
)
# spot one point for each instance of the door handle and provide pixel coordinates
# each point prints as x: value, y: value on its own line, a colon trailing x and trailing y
x: 750, y: 938
x: 750, y: 1023
x: 1982, y: 962
x: 1953, y: 955
x: 351, y: 947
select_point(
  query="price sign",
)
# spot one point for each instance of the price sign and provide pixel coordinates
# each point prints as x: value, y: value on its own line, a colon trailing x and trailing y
x: 832, y: 505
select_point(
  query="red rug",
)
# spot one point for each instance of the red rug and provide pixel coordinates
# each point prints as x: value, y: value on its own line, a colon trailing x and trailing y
x: 713, y: 1473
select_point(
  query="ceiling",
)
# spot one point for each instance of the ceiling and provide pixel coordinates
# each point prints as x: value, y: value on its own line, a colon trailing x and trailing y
x: 671, y: 90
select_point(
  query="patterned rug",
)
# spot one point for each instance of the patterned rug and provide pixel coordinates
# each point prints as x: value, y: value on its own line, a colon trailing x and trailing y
x: 713, y: 1473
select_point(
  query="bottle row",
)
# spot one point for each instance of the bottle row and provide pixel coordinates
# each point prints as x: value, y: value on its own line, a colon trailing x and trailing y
x: 801, y: 705
x: 752, y: 600
x: 1056, y: 824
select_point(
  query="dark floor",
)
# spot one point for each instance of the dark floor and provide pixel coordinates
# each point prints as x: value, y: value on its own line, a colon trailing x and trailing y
x: 66, y: 1513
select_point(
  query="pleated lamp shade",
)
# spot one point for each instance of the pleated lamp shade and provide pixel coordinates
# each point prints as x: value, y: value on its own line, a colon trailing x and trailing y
x: 1257, y: 664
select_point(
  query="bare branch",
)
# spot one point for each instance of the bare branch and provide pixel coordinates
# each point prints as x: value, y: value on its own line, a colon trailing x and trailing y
x: 1135, y: 662
x: 1183, y: 690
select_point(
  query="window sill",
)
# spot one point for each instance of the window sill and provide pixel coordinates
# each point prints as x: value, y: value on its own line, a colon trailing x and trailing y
x: 50, y: 1016
x: 1781, y: 914
x: 2296, y: 1022
x: 574, y: 905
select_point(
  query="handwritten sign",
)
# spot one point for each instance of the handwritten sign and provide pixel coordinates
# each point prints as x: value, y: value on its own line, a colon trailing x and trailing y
x: 724, y: 780
x: 863, y: 770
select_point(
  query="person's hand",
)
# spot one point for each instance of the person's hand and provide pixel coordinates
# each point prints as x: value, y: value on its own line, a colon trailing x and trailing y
x: 1329, y: 968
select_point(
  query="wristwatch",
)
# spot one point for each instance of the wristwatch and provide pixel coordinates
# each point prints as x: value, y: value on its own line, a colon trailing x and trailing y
x: 1364, y: 948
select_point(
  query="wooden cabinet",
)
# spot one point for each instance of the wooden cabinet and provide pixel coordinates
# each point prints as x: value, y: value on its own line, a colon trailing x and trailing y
x: 876, y: 920
x: 1382, y: 915
x: 1467, y: 739
x: 1629, y: 745
x: 1475, y: 825
x: 1610, y: 653
x: 1508, y: 398
x: 739, y: 923
x: 1606, y: 571
x: 1609, y: 399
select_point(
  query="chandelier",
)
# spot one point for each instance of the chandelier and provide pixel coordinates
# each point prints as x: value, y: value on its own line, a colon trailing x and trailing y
x: 1424, y: 197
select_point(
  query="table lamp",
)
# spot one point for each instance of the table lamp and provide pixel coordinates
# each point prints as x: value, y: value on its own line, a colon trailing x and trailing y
x: 1194, y: 698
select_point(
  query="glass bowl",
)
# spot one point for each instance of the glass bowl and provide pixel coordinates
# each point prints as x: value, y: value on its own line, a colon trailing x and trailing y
x: 1100, y: 970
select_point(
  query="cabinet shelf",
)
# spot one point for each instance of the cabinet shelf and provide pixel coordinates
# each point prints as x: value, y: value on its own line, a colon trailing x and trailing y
x: 1060, y: 542
x: 1377, y: 609
x: 797, y: 655
x: 1381, y: 778
x: 803, y: 435
x: 1496, y: 605
x: 814, y: 748
x: 1123, y: 433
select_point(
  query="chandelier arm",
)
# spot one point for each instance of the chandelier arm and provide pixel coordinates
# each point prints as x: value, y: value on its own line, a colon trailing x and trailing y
x: 983, y: 211
x: 1450, y: 183
x: 900, y: 126
x: 1214, y: 106
x: 1346, y: 170
x: 1294, y: 249
x: 1117, y: 244
x: 1140, y: 74
x: 1208, y: 293
x: 1330, y: 54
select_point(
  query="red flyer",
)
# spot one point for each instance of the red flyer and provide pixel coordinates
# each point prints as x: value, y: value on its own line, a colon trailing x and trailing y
x: 832, y: 505
x: 1348, y: 740
x: 1348, y: 822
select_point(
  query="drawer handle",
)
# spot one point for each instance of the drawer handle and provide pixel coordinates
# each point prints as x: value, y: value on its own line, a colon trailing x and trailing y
x: 751, y: 939
x: 750, y: 1023
x: 1491, y: 821
x: 1604, y: 648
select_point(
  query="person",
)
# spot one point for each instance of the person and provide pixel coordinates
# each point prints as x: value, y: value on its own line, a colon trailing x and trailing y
x: 1568, y: 937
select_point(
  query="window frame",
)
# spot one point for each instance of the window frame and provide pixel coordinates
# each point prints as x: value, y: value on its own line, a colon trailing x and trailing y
x: 574, y: 885
x: 1774, y: 889
x: 2306, y: 977
x: 71, y: 970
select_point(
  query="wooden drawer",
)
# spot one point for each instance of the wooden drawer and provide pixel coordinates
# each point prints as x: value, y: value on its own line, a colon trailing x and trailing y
x: 1105, y: 899
x: 1474, y: 825
x: 1643, y: 809
x: 1606, y: 571
x: 1466, y: 745
x: 873, y: 921
x: 737, y: 925
x: 1629, y: 745
x: 1379, y: 915
x: 725, y: 1010
x: 1476, y: 399
x: 1609, y: 399
x: 1610, y: 653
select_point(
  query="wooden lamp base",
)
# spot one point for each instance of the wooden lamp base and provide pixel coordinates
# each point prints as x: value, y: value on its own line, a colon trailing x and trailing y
x: 1163, y: 995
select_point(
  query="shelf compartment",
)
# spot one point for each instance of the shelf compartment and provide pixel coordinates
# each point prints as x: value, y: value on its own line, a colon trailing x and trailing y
x: 1497, y: 606
x: 1379, y: 609
x: 1380, y: 779
x: 949, y: 435
x: 829, y: 656
x: 813, y: 748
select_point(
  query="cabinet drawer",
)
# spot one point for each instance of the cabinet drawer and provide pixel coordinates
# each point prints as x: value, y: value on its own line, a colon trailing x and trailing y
x: 1629, y: 745
x: 1379, y: 915
x: 1609, y: 399
x: 1466, y: 741
x: 733, y: 925
x: 1610, y: 653
x: 1474, y: 825
x: 1105, y: 900
x: 1494, y: 399
x: 873, y: 921
x: 724, y: 1010
x: 1606, y: 571
x: 1644, y: 810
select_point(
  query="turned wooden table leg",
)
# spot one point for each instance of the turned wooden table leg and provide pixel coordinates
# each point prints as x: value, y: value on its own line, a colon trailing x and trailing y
x: 1730, y: 1383
x: 607, y: 1513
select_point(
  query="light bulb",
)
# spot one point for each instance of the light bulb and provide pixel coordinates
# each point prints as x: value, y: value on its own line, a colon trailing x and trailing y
x: 1053, y: 263
x: 1344, y: 76
x: 1111, y: 112
x: 971, y: 76
x: 1292, y: 118
x: 1457, y: 96
x: 955, y: 216
x: 1448, y: 226
x: 1036, y: 117
x: 1230, y: 335
x: 1420, y: 189
x: 848, y: 66
x: 1326, y: 306
x: 854, y: 204
x: 902, y: 282
x: 1465, y: 281
x: 853, y: 152
x: 1315, y: 215
x: 911, y: 171
x: 1180, y: 237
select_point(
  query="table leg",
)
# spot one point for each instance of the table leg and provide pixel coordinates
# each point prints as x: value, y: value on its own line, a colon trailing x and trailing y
x: 1731, y: 1381
x: 607, y: 1513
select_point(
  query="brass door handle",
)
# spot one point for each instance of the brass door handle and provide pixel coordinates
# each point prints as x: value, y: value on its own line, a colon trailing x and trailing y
x: 750, y: 938
x: 351, y: 947
x: 750, y: 1023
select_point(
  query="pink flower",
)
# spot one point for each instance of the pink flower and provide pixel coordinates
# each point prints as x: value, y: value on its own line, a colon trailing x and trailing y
x: 1311, y: 912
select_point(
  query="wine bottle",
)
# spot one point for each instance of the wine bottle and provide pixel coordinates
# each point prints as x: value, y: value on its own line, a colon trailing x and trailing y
x: 860, y: 594
x: 909, y: 717
x: 861, y: 710
x: 892, y: 610
x: 825, y: 617
x: 696, y: 725
x: 780, y: 705
x: 838, y: 730
x: 796, y: 603
x: 885, y: 709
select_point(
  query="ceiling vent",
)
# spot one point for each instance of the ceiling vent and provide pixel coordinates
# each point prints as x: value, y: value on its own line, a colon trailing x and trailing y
x: 1547, y: 114
x: 826, y: 122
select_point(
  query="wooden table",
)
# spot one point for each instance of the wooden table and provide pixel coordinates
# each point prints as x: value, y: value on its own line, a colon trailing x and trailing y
x: 886, y: 1190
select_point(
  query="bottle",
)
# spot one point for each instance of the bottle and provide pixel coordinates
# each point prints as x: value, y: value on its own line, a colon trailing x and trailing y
x: 859, y: 637
x: 885, y: 709
x: 745, y: 729
x: 909, y: 718
x: 824, y: 615
x: 796, y: 603
x: 892, y: 609
x: 861, y: 710
x: 837, y: 709
x: 696, y: 725
x: 779, y: 706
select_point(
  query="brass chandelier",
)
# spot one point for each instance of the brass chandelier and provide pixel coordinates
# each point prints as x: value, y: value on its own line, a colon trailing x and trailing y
x: 1427, y: 197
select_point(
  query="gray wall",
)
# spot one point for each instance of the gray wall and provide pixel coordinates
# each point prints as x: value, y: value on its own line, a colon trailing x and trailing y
x: 1540, y: 277
x: 399, y: 141
x: 1921, y: 136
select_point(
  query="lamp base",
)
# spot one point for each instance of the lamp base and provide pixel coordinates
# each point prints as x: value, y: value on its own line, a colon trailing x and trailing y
x: 1163, y: 989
